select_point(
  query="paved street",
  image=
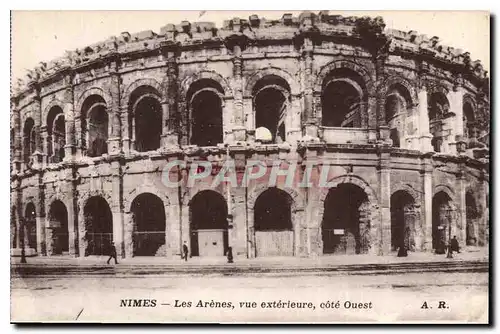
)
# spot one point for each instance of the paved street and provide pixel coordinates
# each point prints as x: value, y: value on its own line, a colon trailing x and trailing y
x: 390, y: 292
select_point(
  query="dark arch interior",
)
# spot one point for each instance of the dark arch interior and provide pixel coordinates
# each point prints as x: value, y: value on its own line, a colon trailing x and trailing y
x: 341, y: 221
x: 438, y: 108
x: 98, y: 225
x: 56, y: 130
x: 401, y: 226
x: 273, y: 211
x: 208, y: 211
x: 58, y: 216
x: 30, y: 225
x: 468, y: 119
x: 441, y: 218
x: 392, y: 107
x: 341, y: 105
x: 98, y: 131
x: 28, y: 139
x: 206, y: 109
x: 270, y: 112
x: 94, y: 124
x: 148, y: 124
x: 471, y: 214
x: 149, y: 219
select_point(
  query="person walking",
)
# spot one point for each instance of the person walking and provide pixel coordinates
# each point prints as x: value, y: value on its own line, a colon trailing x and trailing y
x: 112, y: 253
x: 185, y: 251
x: 454, y: 245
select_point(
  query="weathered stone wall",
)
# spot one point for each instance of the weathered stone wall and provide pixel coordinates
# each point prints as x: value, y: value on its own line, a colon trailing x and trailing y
x: 304, y: 53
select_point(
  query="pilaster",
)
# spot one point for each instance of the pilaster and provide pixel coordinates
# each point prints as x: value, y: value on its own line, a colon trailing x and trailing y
x: 426, y: 207
x: 170, y: 113
x: 114, y: 139
x: 384, y: 175
x: 117, y: 208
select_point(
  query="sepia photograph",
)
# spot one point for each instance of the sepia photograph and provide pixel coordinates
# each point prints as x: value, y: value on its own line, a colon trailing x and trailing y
x: 250, y: 167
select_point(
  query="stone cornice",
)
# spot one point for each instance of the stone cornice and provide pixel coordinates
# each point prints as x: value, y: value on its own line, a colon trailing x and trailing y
x: 364, y: 31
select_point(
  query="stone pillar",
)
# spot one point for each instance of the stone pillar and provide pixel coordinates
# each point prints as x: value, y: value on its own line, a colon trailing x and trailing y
x: 72, y: 214
x: 18, y: 222
x: 423, y: 124
x: 461, y: 215
x: 370, y: 119
x: 170, y: 113
x: 410, y: 230
x: 184, y: 214
x: 294, y: 131
x: 17, y: 158
x: 384, y: 176
x: 45, y: 144
x: 124, y: 115
x: 310, y: 121
x: 238, y: 233
x: 116, y: 207
x: 128, y: 234
x: 19, y: 208
x: 115, y: 119
x: 238, y: 129
x: 82, y: 231
x: 250, y: 233
x: 426, y: 208
x: 364, y: 232
x: 173, y: 230
x: 78, y: 135
x: 40, y: 232
x: 456, y: 126
x: 249, y: 117
x: 70, y: 129
x: 38, y: 154
x: 311, y: 235
x: 486, y: 214
x: 49, y: 244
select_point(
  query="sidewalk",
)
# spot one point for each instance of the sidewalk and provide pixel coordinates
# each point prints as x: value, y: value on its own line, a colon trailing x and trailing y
x: 477, y: 255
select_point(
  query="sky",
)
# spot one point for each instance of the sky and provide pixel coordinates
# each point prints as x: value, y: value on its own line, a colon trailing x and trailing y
x: 44, y: 35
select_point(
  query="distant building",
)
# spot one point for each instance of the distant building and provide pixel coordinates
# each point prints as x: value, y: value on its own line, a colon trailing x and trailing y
x: 402, y: 121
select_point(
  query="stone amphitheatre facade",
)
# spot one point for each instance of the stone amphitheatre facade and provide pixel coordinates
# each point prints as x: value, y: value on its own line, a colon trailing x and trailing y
x: 402, y: 120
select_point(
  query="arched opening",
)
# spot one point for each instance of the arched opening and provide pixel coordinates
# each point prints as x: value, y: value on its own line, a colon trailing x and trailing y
x: 58, y: 217
x: 98, y: 226
x: 402, y: 221
x: 271, y: 98
x: 147, y: 118
x: 472, y: 214
x: 28, y: 139
x: 397, y: 106
x: 149, y: 225
x: 13, y: 227
x: 208, y: 211
x: 274, y: 235
x: 30, y: 226
x: 95, y: 129
x: 205, y: 106
x: 469, y: 121
x: 345, y: 227
x: 56, y: 131
x: 438, y: 109
x: 343, y: 99
x: 442, y: 219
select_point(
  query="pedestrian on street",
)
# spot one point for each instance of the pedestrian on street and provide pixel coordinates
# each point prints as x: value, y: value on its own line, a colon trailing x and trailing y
x: 185, y: 251
x: 454, y: 245
x: 403, y: 252
x: 112, y: 253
